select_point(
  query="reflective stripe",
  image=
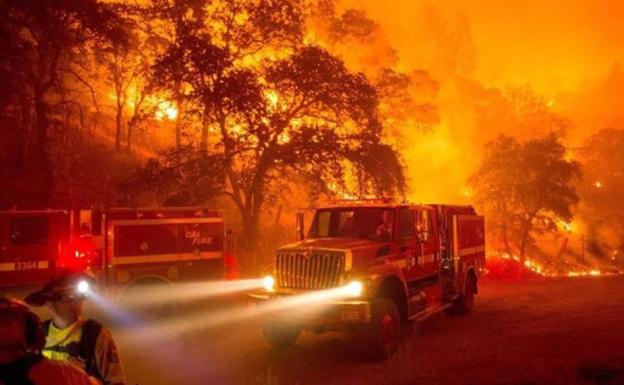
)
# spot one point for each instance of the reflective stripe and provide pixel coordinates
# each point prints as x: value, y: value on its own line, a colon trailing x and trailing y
x: 420, y: 260
x: 7, y: 266
x: 166, y: 258
x: 162, y: 221
x: 43, y: 264
x: 471, y: 250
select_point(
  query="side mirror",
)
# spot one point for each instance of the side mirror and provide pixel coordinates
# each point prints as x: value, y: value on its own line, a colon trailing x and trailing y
x: 300, y: 226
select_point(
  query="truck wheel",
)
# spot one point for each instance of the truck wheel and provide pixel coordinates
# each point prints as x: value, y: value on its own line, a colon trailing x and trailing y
x: 384, y: 328
x: 150, y: 311
x: 280, y: 335
x: 464, y: 303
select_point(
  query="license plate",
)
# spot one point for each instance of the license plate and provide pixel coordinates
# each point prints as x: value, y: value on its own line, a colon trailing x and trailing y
x: 25, y: 265
x: 350, y: 315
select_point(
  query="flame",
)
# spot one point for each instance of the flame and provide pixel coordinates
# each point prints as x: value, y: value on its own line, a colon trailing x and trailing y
x: 544, y: 271
x: 540, y: 269
x: 592, y: 273
x: 567, y: 226
x: 272, y: 97
x: 166, y: 110
x: 340, y: 193
x: 283, y: 138
x: 171, y: 113
x: 598, y: 184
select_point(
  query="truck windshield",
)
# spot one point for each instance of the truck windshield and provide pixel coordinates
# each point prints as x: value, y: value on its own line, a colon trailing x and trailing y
x: 374, y: 223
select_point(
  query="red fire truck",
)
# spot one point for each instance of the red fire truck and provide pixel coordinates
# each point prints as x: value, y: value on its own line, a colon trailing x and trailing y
x: 121, y: 246
x: 379, y: 263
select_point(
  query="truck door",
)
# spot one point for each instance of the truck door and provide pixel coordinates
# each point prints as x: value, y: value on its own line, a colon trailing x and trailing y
x: 407, y: 242
x: 468, y: 246
x: 428, y: 243
x: 29, y: 246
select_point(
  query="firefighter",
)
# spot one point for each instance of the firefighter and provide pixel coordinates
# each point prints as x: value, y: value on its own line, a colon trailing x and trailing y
x: 71, y: 338
x: 384, y: 230
x: 21, y: 341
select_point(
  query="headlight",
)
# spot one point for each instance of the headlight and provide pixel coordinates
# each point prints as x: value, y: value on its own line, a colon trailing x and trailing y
x: 268, y: 283
x: 354, y: 289
x: 82, y: 287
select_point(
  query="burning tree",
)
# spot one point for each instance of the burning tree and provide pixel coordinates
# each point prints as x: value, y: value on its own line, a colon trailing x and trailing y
x: 268, y: 106
x: 524, y: 188
x: 601, y: 190
x: 406, y: 100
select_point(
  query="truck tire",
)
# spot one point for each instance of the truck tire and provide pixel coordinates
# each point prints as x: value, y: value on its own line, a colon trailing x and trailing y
x: 463, y: 304
x: 280, y: 335
x: 384, y: 328
x: 151, y: 311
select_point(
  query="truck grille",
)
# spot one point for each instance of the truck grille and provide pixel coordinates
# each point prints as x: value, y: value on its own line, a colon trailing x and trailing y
x: 321, y: 270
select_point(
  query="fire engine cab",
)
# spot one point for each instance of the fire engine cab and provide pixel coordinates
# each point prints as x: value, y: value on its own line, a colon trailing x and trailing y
x: 121, y: 246
x: 378, y: 264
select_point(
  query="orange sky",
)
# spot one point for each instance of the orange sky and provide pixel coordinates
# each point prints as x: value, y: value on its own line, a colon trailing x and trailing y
x: 553, y: 45
x: 564, y: 50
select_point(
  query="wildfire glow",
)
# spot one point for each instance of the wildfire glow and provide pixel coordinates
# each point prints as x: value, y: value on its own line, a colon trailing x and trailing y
x: 592, y: 273
x: 339, y: 192
x: 166, y: 111
x: 171, y: 113
x: 567, y: 226
x: 272, y: 97
x: 283, y: 138
x: 545, y: 271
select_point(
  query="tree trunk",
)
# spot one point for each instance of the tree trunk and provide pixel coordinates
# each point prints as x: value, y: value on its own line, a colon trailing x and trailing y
x: 129, y: 137
x: 178, y: 134
x: 118, y: 126
x: 524, y: 239
x: 43, y: 124
x: 204, y: 134
x: 178, y: 125
x: 22, y: 139
x: 506, y: 244
x: 250, y: 216
x: 250, y: 231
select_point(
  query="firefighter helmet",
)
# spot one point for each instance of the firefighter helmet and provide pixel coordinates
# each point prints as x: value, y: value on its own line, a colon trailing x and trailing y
x: 68, y: 286
x: 20, y: 328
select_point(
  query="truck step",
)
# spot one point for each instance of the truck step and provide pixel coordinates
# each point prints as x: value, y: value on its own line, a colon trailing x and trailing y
x: 429, y: 312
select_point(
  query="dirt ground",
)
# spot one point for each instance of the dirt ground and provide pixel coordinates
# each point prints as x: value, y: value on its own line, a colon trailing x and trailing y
x: 546, y: 331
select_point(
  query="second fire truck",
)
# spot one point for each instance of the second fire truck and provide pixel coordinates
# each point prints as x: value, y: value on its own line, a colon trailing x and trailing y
x: 379, y: 264
x: 123, y: 247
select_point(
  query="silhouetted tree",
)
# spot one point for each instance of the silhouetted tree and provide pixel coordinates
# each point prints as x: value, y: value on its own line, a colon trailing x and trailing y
x: 49, y: 40
x: 602, y: 157
x: 524, y: 188
x: 273, y: 106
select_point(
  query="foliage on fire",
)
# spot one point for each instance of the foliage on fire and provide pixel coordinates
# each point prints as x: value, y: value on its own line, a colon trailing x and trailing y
x: 525, y: 188
x: 251, y: 106
x: 263, y: 113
